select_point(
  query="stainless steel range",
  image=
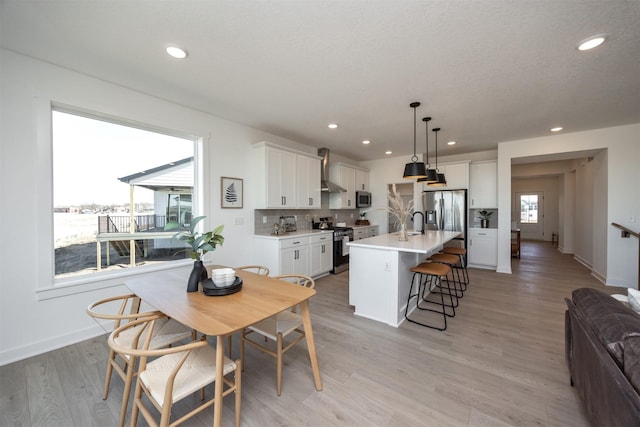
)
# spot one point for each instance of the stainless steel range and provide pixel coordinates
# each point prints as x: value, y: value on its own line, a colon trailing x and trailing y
x: 341, y: 235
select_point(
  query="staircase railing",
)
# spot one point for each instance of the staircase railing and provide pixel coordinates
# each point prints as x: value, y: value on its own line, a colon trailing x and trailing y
x: 626, y: 232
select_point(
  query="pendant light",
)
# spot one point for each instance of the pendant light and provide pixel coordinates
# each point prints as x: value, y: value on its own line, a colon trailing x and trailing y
x: 432, y: 176
x: 442, y: 182
x: 415, y: 169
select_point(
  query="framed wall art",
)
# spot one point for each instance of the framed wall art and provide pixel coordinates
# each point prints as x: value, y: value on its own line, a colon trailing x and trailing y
x: 231, y: 192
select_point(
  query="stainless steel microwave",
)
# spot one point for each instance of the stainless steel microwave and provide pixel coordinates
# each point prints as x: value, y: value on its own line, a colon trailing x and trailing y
x: 363, y: 199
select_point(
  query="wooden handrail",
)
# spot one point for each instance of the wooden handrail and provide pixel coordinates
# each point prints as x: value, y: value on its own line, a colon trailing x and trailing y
x: 626, y: 233
x: 626, y: 230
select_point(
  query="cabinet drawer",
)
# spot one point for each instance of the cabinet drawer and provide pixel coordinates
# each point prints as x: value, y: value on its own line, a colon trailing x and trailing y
x: 321, y: 237
x: 294, y: 242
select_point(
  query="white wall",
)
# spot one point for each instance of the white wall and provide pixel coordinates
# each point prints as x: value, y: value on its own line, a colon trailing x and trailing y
x: 34, y: 317
x: 618, y: 202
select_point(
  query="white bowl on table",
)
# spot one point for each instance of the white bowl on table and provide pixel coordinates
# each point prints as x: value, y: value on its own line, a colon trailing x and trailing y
x: 223, y: 277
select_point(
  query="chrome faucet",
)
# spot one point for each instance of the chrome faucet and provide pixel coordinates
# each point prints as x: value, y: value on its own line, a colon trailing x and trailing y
x: 422, y: 215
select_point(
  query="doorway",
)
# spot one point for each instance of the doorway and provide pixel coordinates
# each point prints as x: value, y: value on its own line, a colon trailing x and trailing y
x: 529, y: 214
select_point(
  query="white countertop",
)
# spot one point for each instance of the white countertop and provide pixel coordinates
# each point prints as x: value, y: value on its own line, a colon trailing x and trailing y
x: 292, y: 234
x: 419, y: 243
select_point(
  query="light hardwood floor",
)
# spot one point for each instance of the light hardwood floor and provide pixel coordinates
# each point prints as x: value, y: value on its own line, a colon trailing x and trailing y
x: 500, y: 363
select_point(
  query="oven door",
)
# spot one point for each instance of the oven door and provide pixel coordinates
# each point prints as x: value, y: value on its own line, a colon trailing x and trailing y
x: 341, y: 255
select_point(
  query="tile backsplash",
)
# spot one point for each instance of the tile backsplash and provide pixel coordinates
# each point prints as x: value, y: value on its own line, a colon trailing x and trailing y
x: 265, y: 218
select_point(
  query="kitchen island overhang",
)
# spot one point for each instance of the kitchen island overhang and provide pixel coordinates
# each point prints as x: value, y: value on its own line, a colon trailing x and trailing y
x: 380, y: 276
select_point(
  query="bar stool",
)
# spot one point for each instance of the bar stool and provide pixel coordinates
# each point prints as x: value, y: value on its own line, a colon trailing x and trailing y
x: 451, y: 261
x: 431, y: 274
x: 462, y: 254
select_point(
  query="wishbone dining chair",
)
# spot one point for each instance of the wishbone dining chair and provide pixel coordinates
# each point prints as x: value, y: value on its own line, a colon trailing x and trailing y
x: 277, y: 328
x: 124, y: 309
x: 174, y: 372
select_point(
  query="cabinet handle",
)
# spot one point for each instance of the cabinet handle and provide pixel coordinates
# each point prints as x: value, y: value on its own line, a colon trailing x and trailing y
x: 348, y: 202
x: 310, y: 201
x: 295, y: 254
x: 296, y: 243
x: 322, y: 248
x: 482, y: 234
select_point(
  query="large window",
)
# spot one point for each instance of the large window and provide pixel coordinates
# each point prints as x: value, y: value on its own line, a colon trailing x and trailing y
x: 114, y: 188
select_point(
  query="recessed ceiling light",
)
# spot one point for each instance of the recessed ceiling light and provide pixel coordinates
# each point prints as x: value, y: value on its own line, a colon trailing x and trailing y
x: 333, y: 125
x: 388, y: 152
x: 591, y: 42
x: 177, y: 52
x: 366, y: 142
x: 451, y: 143
x: 556, y: 129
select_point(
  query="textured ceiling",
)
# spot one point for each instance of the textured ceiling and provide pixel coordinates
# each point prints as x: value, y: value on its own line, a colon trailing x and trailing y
x: 486, y: 70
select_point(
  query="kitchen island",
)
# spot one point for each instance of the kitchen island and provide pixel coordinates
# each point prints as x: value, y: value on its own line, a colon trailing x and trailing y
x: 379, y: 272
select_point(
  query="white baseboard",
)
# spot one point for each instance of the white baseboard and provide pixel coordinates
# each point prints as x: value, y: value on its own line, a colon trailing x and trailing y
x: 34, y: 349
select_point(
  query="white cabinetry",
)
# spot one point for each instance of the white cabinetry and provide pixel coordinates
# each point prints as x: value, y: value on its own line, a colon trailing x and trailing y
x: 294, y: 256
x: 456, y: 174
x: 310, y: 254
x: 321, y: 259
x: 360, y: 233
x: 345, y: 176
x: 308, y: 182
x: 362, y: 180
x: 483, y: 247
x: 483, y: 188
x: 285, y: 179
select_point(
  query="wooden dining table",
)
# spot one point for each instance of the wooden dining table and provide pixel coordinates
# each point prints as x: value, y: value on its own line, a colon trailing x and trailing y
x: 260, y: 297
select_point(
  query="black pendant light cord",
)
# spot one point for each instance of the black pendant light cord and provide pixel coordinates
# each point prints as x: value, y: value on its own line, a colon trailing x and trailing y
x: 414, y: 105
x: 426, y: 122
x: 436, y: 130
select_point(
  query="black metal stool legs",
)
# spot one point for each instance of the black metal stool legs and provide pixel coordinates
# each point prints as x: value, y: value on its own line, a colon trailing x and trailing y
x: 426, y: 278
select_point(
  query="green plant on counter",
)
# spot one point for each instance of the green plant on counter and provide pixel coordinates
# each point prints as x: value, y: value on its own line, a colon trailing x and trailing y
x: 485, y: 214
x: 199, y: 243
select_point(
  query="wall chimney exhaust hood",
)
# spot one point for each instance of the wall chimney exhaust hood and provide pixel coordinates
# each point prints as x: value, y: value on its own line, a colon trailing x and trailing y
x: 325, y: 184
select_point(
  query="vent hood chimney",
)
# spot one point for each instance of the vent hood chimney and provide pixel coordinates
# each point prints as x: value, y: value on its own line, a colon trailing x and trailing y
x: 325, y: 184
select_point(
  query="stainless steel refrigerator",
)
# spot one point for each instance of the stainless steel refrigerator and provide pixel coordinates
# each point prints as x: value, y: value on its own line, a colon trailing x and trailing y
x: 446, y: 210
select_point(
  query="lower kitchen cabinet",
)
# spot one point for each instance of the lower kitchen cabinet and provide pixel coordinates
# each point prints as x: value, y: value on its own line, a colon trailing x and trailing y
x: 294, y: 260
x: 321, y: 258
x: 310, y: 254
x: 483, y: 248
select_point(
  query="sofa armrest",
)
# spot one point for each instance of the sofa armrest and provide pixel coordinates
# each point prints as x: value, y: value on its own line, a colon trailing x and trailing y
x: 608, y: 397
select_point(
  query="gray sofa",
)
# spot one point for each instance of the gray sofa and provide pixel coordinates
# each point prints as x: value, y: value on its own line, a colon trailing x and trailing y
x: 602, y: 344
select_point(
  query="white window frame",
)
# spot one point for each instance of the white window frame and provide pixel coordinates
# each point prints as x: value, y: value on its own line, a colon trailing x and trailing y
x: 48, y: 286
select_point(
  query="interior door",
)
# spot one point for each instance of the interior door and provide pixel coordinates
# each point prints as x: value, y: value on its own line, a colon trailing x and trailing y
x: 529, y: 214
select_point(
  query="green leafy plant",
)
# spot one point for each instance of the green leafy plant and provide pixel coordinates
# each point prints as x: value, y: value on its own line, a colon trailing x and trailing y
x: 199, y: 243
x: 485, y: 214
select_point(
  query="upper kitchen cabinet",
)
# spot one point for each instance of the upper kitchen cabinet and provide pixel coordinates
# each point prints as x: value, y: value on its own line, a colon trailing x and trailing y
x: 309, y: 182
x: 291, y: 179
x: 345, y: 176
x: 483, y: 185
x: 362, y: 180
x: 456, y: 174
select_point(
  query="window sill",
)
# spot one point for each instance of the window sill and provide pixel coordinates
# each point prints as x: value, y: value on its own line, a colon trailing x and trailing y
x: 92, y: 282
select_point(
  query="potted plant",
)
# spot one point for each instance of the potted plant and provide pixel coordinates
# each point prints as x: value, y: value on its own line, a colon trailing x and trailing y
x: 363, y: 219
x: 199, y: 244
x: 484, y: 218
